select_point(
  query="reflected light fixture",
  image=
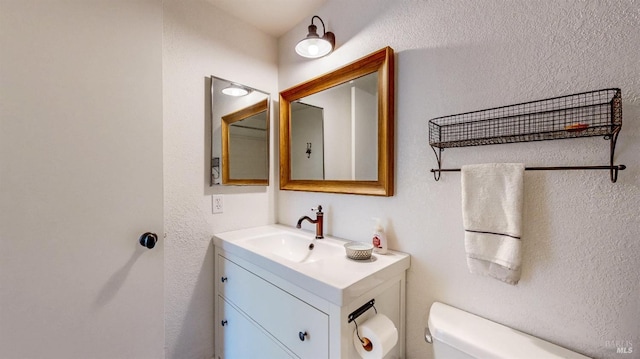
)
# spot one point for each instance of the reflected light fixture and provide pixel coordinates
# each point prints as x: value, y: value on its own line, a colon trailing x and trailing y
x: 314, y: 46
x: 235, y: 90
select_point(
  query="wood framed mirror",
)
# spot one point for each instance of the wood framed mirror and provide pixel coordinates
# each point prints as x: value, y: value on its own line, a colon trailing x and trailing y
x: 245, y: 141
x: 337, y: 130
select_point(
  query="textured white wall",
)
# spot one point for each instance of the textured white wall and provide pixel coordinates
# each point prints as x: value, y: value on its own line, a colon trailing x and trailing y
x: 581, y: 252
x: 200, y: 41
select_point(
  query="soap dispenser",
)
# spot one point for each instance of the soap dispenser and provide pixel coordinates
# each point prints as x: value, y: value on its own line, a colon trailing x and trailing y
x: 379, y: 239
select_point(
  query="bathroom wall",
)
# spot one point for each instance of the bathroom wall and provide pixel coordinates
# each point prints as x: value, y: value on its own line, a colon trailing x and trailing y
x: 581, y: 253
x: 200, y: 41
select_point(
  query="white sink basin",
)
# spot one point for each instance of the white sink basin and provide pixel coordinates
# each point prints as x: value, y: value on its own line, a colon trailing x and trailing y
x: 325, y: 271
x: 295, y: 248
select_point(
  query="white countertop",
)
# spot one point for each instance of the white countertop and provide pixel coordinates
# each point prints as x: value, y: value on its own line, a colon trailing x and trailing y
x: 336, y: 278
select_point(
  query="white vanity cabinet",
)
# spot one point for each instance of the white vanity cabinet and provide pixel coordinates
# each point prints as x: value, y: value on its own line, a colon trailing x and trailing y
x: 239, y: 337
x: 297, y: 325
x: 268, y: 308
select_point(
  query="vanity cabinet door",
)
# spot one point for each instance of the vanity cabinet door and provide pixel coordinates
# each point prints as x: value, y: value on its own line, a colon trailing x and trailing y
x: 299, y: 326
x: 240, y: 338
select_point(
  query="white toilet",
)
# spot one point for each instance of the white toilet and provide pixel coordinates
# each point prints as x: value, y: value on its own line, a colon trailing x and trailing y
x: 456, y: 334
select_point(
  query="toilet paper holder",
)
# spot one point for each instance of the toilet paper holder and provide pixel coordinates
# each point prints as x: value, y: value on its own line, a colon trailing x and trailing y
x: 366, y: 343
x: 358, y: 312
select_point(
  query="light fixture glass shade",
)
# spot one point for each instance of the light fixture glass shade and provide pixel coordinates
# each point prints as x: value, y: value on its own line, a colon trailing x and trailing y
x: 235, y: 90
x: 314, y: 46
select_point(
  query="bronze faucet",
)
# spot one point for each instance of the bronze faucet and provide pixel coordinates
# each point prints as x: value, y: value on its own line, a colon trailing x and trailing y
x: 318, y: 222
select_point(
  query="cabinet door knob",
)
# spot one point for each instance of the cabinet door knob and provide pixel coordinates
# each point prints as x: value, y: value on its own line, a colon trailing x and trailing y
x: 224, y: 322
x: 302, y: 335
x: 223, y: 279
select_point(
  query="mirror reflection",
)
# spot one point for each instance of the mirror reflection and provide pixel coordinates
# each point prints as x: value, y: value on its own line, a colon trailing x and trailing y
x: 334, y: 133
x: 307, y: 141
x: 244, y: 145
x: 240, y: 134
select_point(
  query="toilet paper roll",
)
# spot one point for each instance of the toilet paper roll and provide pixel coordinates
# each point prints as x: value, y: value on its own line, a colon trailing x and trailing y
x: 382, y: 333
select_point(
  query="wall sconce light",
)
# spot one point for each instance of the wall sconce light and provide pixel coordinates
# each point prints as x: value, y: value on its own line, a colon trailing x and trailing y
x: 235, y: 90
x: 314, y: 46
x: 308, y: 150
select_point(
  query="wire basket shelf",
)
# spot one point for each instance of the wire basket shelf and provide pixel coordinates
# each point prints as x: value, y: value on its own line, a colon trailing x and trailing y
x: 595, y: 113
x: 586, y: 114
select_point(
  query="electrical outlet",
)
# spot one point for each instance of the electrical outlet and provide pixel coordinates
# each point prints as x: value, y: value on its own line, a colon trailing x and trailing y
x: 217, y: 203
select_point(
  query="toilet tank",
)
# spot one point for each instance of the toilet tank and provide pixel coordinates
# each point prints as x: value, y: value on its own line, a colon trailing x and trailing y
x: 460, y: 335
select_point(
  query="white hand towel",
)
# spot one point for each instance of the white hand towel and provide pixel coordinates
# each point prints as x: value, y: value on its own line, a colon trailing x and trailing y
x: 492, y: 215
